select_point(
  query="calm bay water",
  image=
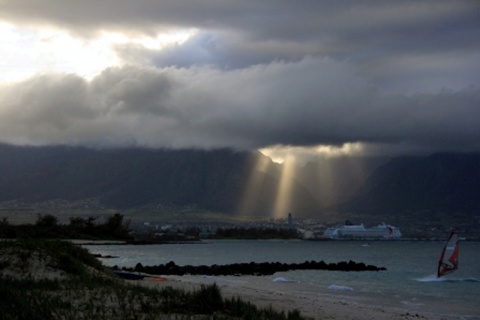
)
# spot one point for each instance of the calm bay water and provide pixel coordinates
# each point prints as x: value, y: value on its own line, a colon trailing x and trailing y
x: 409, y: 281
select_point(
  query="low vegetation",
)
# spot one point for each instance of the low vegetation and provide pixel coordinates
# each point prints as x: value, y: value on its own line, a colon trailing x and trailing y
x: 47, y: 227
x: 42, y: 279
x: 255, y: 233
x: 116, y: 227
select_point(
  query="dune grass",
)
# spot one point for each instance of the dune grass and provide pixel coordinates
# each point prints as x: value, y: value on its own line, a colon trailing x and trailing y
x: 89, y: 291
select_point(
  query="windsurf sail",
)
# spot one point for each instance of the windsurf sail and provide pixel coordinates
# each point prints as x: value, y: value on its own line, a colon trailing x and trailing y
x: 449, y: 258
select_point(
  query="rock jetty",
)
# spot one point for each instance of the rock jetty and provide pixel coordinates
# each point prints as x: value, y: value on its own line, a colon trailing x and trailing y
x: 252, y: 268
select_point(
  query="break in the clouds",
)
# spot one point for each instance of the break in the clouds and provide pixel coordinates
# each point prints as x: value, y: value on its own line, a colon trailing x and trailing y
x: 383, y: 75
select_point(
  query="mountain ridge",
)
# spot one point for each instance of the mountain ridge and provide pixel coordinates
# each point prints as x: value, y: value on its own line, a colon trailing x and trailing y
x: 443, y: 182
x: 124, y: 178
x: 218, y: 180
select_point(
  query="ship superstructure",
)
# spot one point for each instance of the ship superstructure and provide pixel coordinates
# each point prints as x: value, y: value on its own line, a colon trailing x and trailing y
x: 358, y: 231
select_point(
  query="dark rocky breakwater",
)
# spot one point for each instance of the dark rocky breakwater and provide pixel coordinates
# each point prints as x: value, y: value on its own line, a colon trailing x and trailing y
x: 252, y: 268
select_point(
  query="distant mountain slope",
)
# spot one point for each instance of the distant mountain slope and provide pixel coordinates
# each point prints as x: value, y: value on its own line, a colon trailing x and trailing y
x: 441, y: 182
x: 221, y: 180
x: 334, y: 180
x: 122, y: 178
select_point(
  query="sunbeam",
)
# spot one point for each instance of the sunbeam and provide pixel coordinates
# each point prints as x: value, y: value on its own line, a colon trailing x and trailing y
x: 283, y: 199
x: 249, y: 202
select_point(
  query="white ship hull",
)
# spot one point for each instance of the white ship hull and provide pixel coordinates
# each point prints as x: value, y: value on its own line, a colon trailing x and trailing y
x: 359, y: 232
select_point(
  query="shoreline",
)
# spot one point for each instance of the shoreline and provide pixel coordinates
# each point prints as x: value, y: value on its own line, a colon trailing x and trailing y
x: 312, y: 301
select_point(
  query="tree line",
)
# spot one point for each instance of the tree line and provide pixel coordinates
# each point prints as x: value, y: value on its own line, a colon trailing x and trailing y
x: 48, y: 227
x: 255, y: 233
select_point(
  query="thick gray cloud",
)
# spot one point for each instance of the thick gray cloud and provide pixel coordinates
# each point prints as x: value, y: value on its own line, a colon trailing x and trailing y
x: 389, y: 74
x: 313, y: 101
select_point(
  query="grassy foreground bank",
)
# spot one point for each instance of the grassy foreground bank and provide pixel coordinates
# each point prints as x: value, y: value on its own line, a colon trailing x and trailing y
x: 41, y: 279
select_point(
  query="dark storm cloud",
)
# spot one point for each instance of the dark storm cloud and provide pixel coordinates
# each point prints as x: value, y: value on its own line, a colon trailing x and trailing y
x: 347, y: 26
x: 403, y: 46
x: 313, y: 101
x: 387, y: 74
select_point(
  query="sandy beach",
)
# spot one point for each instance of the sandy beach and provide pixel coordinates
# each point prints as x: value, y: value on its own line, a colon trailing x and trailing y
x: 313, y: 302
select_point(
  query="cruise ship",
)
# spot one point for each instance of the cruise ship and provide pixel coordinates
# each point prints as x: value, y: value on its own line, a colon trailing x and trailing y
x: 359, y: 232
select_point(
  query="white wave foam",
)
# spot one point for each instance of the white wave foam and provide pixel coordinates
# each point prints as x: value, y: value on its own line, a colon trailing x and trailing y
x: 339, y: 288
x: 434, y: 278
x: 412, y: 303
x: 431, y: 278
x: 284, y: 280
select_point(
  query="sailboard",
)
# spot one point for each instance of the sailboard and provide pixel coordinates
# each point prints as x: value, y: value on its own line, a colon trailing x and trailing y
x: 449, y: 258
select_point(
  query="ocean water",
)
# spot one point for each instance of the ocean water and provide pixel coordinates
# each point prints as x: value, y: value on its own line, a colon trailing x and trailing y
x: 409, y: 282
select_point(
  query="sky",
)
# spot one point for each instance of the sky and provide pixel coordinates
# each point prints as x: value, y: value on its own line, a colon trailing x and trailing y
x: 311, y: 78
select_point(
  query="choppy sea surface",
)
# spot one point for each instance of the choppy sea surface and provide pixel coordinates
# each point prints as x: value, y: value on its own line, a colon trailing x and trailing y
x: 409, y: 282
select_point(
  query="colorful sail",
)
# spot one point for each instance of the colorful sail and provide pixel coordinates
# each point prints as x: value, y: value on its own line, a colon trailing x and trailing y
x: 449, y: 258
